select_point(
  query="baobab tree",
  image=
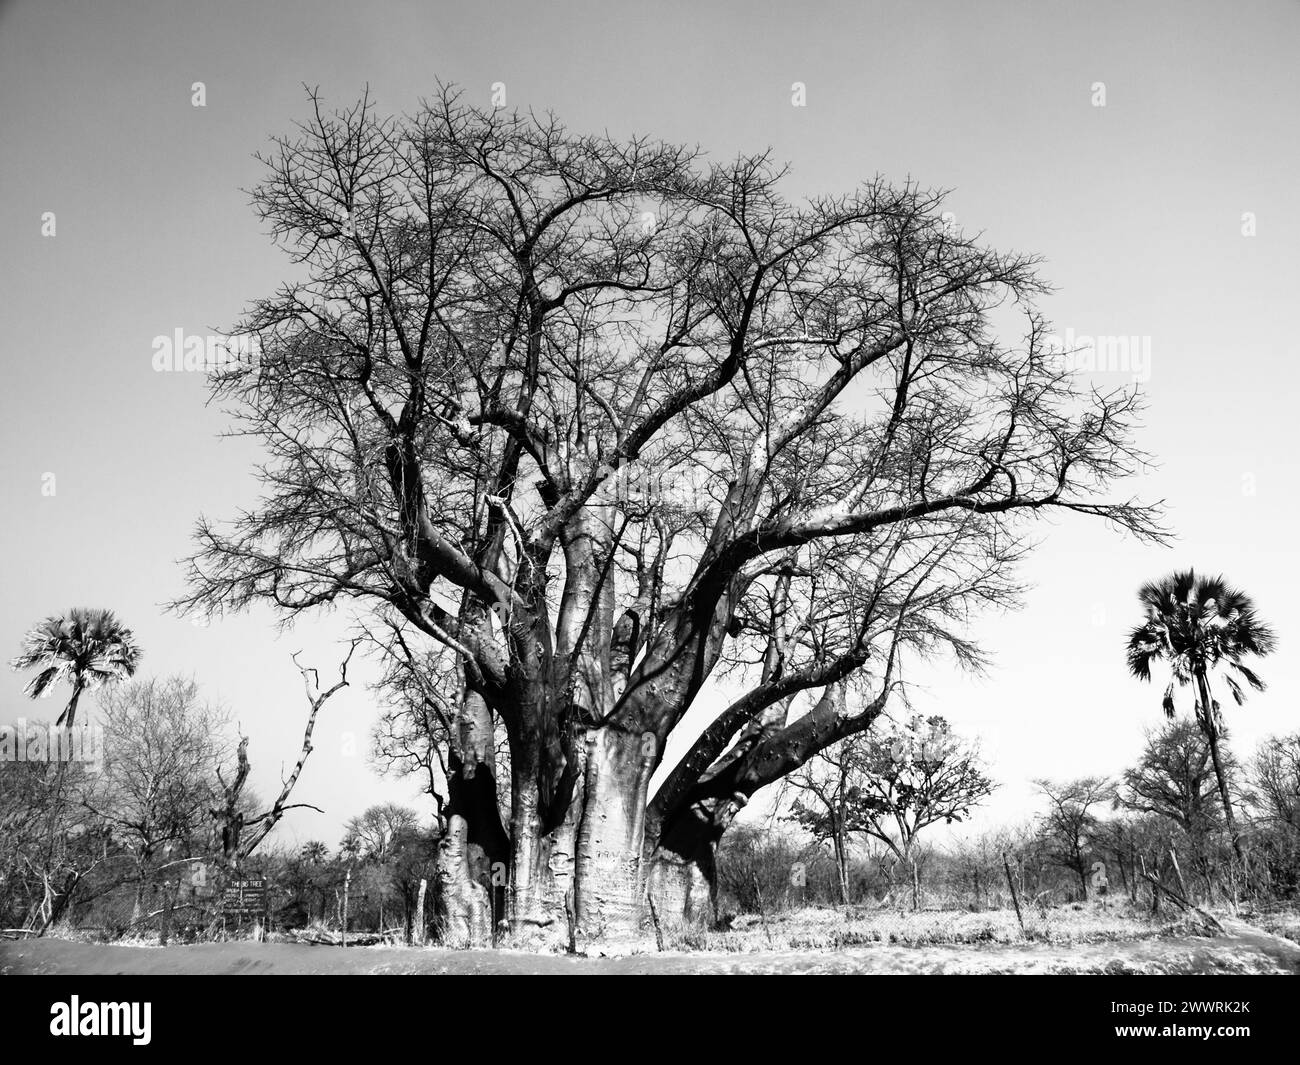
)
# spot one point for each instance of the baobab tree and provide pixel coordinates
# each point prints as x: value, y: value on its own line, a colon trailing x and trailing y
x: 627, y: 433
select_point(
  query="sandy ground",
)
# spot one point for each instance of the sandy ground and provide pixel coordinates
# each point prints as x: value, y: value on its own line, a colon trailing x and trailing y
x: 1244, y: 949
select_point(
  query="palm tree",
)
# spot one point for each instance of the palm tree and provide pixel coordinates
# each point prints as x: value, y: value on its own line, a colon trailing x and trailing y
x: 315, y: 852
x: 87, y: 648
x: 1198, y: 625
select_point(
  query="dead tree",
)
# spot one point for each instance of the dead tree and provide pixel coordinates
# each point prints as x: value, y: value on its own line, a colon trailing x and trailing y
x: 230, y: 820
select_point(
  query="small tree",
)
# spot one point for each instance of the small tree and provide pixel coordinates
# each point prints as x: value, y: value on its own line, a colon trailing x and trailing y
x: 310, y: 877
x: 760, y: 870
x: 1275, y: 781
x: 891, y: 786
x: 163, y: 745
x: 1071, y: 826
x: 826, y: 787
x: 1174, y: 779
x: 412, y: 861
x: 376, y: 837
x: 49, y: 846
x: 1273, y: 796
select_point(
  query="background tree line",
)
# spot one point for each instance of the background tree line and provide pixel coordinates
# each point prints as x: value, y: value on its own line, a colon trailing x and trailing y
x: 129, y: 844
x: 1094, y: 839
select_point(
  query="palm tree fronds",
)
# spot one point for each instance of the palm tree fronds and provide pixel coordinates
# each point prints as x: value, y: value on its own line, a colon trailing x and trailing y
x: 1251, y: 677
x: 87, y: 648
x: 41, y: 684
x: 1143, y: 649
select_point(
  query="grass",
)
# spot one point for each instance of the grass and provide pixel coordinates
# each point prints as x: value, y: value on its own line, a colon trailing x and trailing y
x: 834, y: 929
x: 1279, y: 923
x: 829, y: 929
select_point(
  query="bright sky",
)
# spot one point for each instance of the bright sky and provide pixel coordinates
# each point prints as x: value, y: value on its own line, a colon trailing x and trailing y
x: 1138, y: 206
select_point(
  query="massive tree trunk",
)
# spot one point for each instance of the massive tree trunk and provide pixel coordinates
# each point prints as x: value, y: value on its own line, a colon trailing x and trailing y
x: 585, y: 842
x: 467, y: 917
x: 609, y: 884
x: 475, y: 852
x: 578, y: 777
x: 588, y: 718
x: 588, y: 864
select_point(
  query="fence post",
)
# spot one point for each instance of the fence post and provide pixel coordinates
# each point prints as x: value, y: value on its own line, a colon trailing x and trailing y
x: 419, y: 913
x: 1173, y: 855
x: 1011, y: 884
x: 1155, y: 895
x: 169, y: 900
x: 347, y: 883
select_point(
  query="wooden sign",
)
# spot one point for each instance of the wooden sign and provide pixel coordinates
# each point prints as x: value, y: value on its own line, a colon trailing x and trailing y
x: 245, y: 898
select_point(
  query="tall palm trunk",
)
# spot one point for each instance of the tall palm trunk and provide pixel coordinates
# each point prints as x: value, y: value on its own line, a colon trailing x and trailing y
x: 66, y: 719
x: 69, y: 716
x: 1211, y: 729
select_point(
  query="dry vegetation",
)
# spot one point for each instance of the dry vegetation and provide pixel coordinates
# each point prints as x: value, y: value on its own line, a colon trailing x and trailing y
x: 824, y: 928
x: 1279, y: 923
